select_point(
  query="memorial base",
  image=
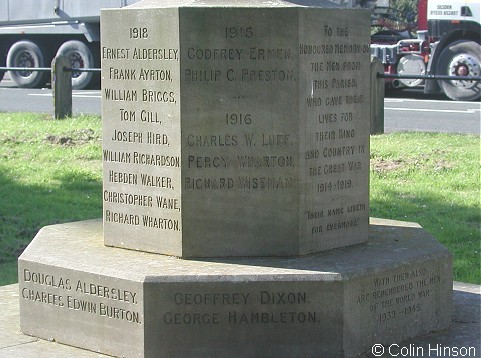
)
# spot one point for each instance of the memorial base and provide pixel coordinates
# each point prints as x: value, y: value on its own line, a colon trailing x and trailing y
x: 338, y: 303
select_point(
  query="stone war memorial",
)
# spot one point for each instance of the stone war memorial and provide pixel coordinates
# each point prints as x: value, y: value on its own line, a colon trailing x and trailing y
x: 235, y: 196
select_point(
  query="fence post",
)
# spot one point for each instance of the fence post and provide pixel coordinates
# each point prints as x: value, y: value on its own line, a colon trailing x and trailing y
x: 61, y: 88
x: 377, y: 97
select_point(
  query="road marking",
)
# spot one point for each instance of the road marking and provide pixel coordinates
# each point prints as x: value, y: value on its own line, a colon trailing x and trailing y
x: 388, y: 100
x: 88, y: 92
x: 73, y: 95
x: 467, y: 111
x: 85, y: 96
x: 398, y: 100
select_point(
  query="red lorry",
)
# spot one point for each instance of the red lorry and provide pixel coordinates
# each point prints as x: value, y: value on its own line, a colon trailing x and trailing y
x: 447, y: 43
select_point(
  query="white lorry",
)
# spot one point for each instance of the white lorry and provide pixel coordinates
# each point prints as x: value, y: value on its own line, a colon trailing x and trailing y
x: 33, y: 32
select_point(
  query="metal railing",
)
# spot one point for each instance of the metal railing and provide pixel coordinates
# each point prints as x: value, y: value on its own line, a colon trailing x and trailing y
x: 378, y: 89
x: 430, y: 77
x: 60, y: 81
x: 48, y: 69
x: 62, y: 86
x: 26, y: 69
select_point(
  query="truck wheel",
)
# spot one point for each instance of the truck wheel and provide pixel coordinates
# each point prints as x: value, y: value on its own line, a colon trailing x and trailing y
x: 80, y: 56
x: 26, y: 54
x: 2, y: 63
x: 461, y: 58
x: 411, y: 65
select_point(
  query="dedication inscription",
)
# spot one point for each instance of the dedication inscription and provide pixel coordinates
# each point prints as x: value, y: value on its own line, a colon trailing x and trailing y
x: 335, y: 151
x: 227, y: 136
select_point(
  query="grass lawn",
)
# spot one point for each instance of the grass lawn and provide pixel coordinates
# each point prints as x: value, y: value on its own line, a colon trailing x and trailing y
x: 51, y: 172
x: 432, y: 179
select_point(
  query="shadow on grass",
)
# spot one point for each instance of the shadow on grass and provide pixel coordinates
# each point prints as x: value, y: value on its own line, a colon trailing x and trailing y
x: 24, y: 209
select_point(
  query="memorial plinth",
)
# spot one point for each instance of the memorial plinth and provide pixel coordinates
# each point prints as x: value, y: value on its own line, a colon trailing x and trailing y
x: 235, y: 130
x: 236, y: 172
x: 336, y: 303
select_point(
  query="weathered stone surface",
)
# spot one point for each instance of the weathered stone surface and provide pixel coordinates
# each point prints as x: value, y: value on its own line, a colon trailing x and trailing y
x: 77, y: 291
x: 235, y: 131
x: 463, y: 332
x: 15, y: 344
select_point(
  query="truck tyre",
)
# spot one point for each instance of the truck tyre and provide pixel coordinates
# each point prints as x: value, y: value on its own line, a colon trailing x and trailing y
x: 80, y: 56
x: 461, y: 58
x: 26, y: 54
x: 2, y: 63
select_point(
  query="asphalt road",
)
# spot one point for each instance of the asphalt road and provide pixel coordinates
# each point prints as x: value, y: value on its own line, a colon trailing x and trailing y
x: 13, y: 99
x: 408, y: 110
x: 412, y: 110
